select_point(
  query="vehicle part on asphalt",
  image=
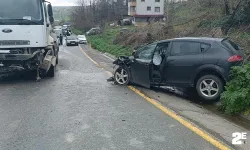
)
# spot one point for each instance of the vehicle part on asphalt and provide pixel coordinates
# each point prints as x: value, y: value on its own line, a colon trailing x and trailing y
x: 111, y: 79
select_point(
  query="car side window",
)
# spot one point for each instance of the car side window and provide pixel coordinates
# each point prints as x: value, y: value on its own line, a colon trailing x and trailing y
x: 146, y: 52
x: 185, y: 48
x: 204, y: 47
x: 161, y: 48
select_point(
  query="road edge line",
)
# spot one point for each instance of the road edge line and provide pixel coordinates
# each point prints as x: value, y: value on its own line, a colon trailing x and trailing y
x: 89, y: 57
x: 205, y: 135
x: 212, y: 140
x: 108, y: 57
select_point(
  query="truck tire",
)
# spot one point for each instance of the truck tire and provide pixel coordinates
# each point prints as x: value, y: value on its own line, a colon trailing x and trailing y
x: 51, y: 72
x: 57, y: 59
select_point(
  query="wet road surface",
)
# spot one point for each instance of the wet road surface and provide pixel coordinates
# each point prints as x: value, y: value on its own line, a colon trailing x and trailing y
x: 78, y: 109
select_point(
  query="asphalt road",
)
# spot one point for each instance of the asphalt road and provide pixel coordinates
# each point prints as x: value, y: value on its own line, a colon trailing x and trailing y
x: 78, y: 109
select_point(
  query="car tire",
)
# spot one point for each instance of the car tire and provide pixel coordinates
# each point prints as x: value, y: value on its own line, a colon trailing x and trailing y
x: 118, y: 77
x: 51, y: 72
x: 209, y: 88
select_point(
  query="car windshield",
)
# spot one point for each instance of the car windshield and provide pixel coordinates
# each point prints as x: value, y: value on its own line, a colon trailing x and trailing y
x: 81, y: 36
x: 71, y: 37
x: 58, y: 32
x: 19, y: 10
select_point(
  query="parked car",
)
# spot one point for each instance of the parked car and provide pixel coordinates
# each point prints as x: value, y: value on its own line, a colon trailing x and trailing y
x: 124, y: 22
x: 202, y: 64
x: 93, y: 31
x: 82, y: 39
x: 71, y: 40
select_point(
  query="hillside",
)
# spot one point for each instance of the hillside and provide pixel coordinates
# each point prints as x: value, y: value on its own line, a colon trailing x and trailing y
x: 188, y: 19
x: 62, y: 12
x: 192, y: 19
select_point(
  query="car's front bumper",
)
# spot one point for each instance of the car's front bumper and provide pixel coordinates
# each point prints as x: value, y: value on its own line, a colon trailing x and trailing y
x: 72, y: 42
x: 83, y: 42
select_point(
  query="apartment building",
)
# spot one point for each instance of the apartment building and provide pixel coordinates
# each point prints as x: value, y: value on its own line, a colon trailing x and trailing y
x: 143, y: 10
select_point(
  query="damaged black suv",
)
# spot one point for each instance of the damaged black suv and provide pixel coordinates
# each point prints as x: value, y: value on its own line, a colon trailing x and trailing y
x: 202, y: 64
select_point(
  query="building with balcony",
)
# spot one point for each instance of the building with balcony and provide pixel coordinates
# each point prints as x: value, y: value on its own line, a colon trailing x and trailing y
x: 145, y: 10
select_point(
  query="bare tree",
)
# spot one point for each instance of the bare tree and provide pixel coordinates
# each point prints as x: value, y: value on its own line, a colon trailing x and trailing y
x: 230, y: 22
x: 227, y: 10
x: 89, y: 13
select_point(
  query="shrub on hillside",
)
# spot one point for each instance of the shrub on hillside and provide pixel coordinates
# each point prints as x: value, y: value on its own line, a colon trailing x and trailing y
x: 236, y: 98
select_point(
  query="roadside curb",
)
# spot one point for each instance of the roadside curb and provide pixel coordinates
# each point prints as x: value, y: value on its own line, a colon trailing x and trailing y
x: 245, y: 116
x: 111, y: 56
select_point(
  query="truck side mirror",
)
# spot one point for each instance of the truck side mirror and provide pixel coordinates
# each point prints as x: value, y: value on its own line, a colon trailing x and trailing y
x: 51, y: 19
x: 50, y: 11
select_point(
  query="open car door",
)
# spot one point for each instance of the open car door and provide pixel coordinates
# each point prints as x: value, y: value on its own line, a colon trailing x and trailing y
x: 140, y: 67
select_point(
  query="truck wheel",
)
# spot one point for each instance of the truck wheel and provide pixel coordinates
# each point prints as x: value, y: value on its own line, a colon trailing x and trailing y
x: 57, y: 59
x: 51, y: 72
x: 209, y: 88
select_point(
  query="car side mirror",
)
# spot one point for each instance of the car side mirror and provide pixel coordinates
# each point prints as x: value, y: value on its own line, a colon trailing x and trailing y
x: 131, y: 57
x: 157, y: 59
x: 133, y: 53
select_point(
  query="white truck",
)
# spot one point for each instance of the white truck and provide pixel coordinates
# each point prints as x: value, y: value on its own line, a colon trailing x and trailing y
x: 27, y: 41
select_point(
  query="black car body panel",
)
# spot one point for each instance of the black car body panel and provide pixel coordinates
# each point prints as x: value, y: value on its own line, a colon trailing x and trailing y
x: 202, y: 64
x: 211, y: 56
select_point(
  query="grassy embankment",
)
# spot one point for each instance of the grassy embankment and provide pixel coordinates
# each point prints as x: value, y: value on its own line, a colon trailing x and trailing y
x: 104, y: 42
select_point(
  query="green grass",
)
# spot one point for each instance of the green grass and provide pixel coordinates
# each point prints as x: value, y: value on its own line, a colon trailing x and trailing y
x: 104, y: 43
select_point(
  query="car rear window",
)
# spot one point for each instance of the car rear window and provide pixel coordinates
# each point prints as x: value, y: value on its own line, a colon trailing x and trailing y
x: 71, y: 38
x: 230, y: 45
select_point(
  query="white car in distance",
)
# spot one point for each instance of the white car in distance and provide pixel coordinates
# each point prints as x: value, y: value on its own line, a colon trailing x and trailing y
x: 82, y: 39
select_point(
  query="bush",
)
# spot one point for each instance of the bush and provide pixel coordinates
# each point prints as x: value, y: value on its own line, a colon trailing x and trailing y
x: 236, y: 98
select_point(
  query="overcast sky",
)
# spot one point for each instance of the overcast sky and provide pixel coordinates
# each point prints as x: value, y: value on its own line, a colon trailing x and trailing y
x: 63, y: 2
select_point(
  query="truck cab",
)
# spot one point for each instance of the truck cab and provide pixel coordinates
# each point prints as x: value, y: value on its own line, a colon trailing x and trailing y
x: 26, y: 37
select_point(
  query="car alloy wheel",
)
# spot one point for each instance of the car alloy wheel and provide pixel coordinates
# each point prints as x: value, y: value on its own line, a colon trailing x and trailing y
x: 121, y: 76
x: 209, y: 88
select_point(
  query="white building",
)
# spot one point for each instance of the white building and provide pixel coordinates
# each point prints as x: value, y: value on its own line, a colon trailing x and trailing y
x: 142, y: 10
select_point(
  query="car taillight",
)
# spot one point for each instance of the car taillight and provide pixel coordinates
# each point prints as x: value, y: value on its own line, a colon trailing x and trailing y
x: 235, y: 58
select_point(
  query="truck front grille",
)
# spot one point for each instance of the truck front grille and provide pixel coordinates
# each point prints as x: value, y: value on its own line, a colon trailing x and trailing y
x: 14, y: 42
